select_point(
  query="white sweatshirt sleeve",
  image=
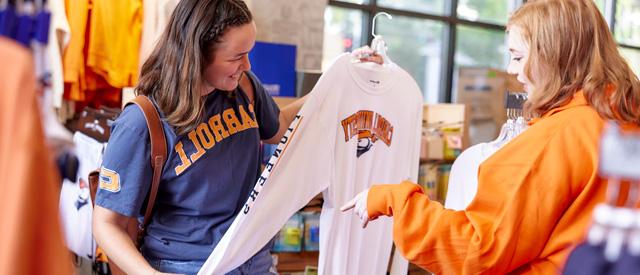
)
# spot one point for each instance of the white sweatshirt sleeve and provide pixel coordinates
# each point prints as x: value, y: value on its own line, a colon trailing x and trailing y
x: 306, y: 154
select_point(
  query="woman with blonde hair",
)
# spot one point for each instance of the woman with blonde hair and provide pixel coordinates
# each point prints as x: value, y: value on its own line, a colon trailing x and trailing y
x: 535, y: 195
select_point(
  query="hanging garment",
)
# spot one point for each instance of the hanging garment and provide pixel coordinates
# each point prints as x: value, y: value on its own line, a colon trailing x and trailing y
x: 154, y: 20
x: 59, y: 36
x: 30, y: 233
x: 627, y: 264
x: 114, y: 40
x: 587, y: 259
x: 75, y: 203
x: 99, y: 60
x: 360, y: 125
x: 463, y: 179
x: 74, y: 58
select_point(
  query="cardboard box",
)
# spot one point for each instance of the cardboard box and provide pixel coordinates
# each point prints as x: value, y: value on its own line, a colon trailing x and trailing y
x: 484, y: 90
x: 446, y: 116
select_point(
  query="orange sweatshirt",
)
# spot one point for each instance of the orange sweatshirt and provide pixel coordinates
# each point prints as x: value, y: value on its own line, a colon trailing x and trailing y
x: 533, y: 205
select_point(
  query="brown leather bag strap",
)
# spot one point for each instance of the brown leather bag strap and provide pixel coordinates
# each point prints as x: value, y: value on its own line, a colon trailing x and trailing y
x: 158, y: 155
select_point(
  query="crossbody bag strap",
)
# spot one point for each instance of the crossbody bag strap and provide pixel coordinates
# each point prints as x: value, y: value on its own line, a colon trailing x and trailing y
x: 158, y: 155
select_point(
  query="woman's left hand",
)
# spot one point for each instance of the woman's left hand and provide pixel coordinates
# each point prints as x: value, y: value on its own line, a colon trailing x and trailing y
x: 359, y: 205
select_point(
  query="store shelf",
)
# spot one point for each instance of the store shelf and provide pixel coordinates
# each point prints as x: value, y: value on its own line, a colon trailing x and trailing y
x: 437, y: 161
x: 296, y: 261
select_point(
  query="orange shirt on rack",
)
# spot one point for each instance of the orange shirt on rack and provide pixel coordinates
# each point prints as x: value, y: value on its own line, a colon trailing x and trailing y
x: 30, y: 231
x: 114, y: 40
x: 73, y: 59
x: 534, y: 203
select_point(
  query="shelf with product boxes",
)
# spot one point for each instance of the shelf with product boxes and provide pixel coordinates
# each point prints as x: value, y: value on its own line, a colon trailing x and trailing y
x: 444, y: 135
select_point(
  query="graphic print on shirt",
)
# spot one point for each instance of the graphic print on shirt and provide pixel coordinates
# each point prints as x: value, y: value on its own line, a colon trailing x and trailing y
x: 83, y: 196
x: 273, y: 162
x: 216, y: 128
x: 369, y: 127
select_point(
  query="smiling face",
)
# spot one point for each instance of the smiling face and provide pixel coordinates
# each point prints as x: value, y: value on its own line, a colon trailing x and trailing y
x: 230, y: 59
x: 519, y: 54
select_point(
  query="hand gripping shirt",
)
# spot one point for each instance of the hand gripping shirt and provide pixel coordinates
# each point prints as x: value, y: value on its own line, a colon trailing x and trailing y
x: 360, y: 125
x: 208, y: 175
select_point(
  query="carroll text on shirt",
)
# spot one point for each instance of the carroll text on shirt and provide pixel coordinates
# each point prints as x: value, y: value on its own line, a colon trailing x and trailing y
x: 273, y: 162
x: 217, y: 128
x: 369, y: 127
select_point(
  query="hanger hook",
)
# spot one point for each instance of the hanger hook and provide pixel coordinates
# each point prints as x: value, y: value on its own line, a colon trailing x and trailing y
x: 373, y: 28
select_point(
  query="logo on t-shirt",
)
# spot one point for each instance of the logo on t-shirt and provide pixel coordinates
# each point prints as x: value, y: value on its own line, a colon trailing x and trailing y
x: 109, y: 180
x: 214, y: 130
x: 369, y: 127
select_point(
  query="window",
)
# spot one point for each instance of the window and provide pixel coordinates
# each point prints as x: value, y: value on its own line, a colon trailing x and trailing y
x: 490, y: 11
x: 426, y: 6
x: 441, y: 36
x: 342, y: 32
x: 473, y: 40
x: 627, y: 22
x: 431, y: 26
x: 424, y: 60
x: 633, y: 58
x: 600, y: 4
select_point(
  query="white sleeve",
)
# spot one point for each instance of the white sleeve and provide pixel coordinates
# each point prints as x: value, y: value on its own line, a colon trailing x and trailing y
x: 301, y: 167
x: 59, y: 35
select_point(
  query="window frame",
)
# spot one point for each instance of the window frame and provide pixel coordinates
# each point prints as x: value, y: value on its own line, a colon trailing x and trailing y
x: 451, y: 21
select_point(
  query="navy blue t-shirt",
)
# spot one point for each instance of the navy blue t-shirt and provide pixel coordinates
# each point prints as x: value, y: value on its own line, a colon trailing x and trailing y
x: 207, y: 178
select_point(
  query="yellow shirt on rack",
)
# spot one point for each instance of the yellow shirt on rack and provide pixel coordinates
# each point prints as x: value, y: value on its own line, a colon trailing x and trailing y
x: 114, y: 40
x: 533, y: 206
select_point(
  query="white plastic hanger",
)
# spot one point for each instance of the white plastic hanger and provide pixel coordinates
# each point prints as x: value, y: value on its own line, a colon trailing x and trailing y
x: 378, y: 45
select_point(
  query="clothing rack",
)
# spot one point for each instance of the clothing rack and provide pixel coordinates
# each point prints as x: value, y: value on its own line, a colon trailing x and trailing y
x: 27, y: 22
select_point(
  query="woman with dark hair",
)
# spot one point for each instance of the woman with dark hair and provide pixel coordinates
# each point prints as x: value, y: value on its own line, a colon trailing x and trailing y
x: 536, y: 194
x: 214, y: 112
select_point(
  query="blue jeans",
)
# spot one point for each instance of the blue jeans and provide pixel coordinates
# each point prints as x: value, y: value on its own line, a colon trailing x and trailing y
x: 259, y: 264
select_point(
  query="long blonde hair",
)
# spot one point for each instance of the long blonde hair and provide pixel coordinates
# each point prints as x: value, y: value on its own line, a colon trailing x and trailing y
x: 572, y: 49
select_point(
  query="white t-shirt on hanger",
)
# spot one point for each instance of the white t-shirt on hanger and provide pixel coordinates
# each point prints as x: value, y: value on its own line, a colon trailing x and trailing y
x: 463, y: 178
x: 59, y: 36
x: 361, y: 125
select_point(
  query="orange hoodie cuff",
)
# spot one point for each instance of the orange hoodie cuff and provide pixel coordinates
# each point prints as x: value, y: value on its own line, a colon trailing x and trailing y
x: 382, y: 199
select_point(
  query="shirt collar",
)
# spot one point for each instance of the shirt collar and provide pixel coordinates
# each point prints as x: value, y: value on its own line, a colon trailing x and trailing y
x: 577, y: 100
